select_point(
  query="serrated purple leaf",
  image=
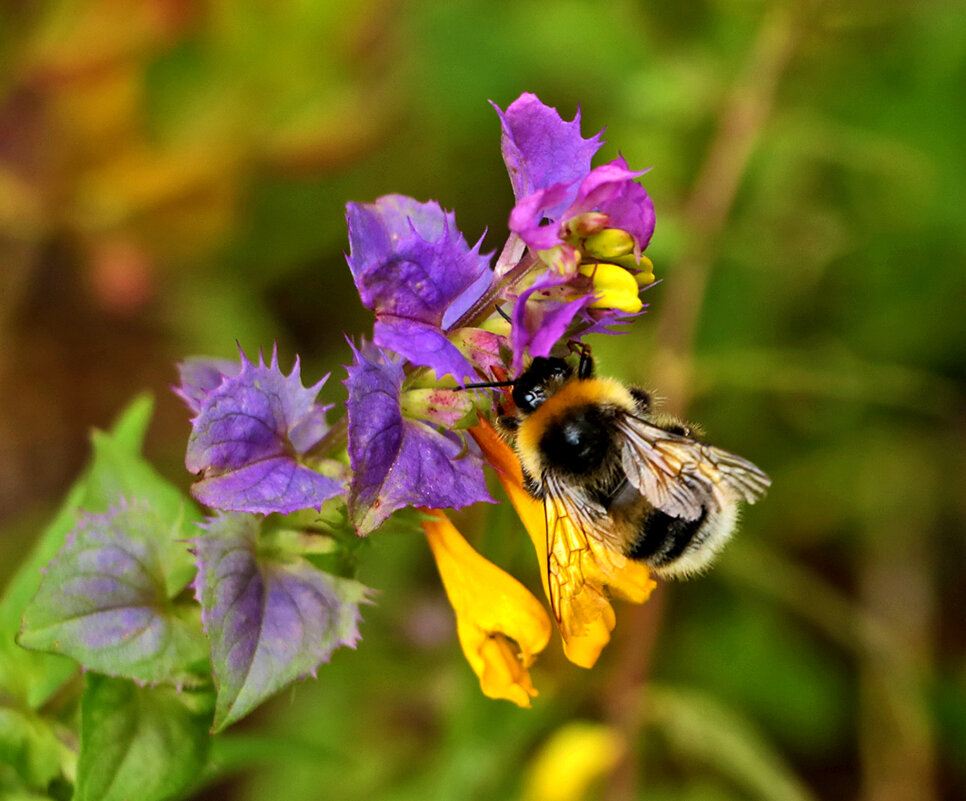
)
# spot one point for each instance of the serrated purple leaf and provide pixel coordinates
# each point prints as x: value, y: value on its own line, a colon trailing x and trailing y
x: 247, y: 440
x: 268, y: 622
x: 200, y: 375
x: 411, y: 265
x: 104, y: 599
x: 398, y: 462
x: 276, y: 484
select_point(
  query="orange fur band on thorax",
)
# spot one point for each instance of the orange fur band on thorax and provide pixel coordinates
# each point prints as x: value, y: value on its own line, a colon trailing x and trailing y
x: 574, y: 393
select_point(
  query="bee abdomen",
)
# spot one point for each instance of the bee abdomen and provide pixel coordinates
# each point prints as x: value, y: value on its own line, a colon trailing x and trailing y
x: 663, y: 538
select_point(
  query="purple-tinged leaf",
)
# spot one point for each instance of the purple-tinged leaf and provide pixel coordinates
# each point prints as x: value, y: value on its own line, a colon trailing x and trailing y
x: 541, y: 150
x: 248, y: 440
x: 396, y: 461
x: 200, y: 375
x: 106, y: 599
x: 269, y: 620
x: 411, y: 265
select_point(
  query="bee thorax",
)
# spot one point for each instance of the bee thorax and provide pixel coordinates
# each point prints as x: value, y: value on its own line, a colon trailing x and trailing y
x: 580, y: 442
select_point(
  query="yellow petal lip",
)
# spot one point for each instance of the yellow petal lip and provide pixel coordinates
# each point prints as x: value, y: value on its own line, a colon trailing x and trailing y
x: 500, y: 625
x: 615, y: 287
x: 586, y: 615
x: 646, y: 275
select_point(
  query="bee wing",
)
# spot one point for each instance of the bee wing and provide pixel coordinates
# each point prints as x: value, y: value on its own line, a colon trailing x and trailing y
x: 572, y: 519
x: 681, y: 476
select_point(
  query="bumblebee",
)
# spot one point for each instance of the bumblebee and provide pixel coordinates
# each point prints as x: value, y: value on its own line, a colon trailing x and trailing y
x: 600, y: 458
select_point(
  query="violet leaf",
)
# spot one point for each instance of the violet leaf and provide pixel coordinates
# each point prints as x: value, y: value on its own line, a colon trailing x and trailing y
x: 270, y: 618
x: 200, y: 375
x: 106, y: 599
x: 540, y: 150
x: 413, y: 268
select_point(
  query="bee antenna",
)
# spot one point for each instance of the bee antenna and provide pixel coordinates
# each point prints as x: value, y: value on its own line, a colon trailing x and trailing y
x: 486, y: 384
x: 503, y: 314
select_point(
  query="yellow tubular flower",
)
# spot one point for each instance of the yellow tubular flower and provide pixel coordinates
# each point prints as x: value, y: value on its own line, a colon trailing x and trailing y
x: 589, y: 569
x: 614, y: 286
x: 501, y: 626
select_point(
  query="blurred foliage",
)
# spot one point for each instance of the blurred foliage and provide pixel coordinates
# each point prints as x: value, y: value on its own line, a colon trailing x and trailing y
x: 172, y: 180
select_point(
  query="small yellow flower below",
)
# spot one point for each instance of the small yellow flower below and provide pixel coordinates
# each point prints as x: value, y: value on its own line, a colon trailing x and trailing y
x: 574, y: 757
x: 501, y: 626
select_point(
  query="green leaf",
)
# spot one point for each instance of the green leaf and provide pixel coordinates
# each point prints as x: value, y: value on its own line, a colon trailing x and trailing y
x: 35, y: 677
x: 138, y: 742
x: 107, y: 599
x: 699, y: 729
x: 29, y: 744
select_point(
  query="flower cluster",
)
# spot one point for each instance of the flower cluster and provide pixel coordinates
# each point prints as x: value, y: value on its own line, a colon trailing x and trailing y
x: 445, y: 314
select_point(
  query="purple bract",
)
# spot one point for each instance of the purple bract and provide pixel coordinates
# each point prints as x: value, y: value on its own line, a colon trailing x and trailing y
x: 413, y: 267
x: 397, y: 461
x: 249, y: 439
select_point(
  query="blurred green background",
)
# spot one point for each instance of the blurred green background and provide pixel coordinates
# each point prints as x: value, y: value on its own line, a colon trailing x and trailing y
x: 172, y: 179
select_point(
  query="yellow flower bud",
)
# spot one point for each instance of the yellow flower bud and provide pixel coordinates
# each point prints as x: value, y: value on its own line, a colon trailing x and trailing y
x: 609, y: 243
x: 615, y: 287
x: 646, y: 274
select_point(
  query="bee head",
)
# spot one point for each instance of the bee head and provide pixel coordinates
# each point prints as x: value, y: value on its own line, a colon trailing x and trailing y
x: 538, y: 382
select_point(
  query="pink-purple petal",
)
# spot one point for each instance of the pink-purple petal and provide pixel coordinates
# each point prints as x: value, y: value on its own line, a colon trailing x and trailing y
x: 540, y: 149
x: 612, y: 189
x: 539, y: 325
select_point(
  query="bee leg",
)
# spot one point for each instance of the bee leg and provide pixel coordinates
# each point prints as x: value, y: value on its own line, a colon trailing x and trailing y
x: 585, y: 368
x: 508, y: 423
x: 530, y: 484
